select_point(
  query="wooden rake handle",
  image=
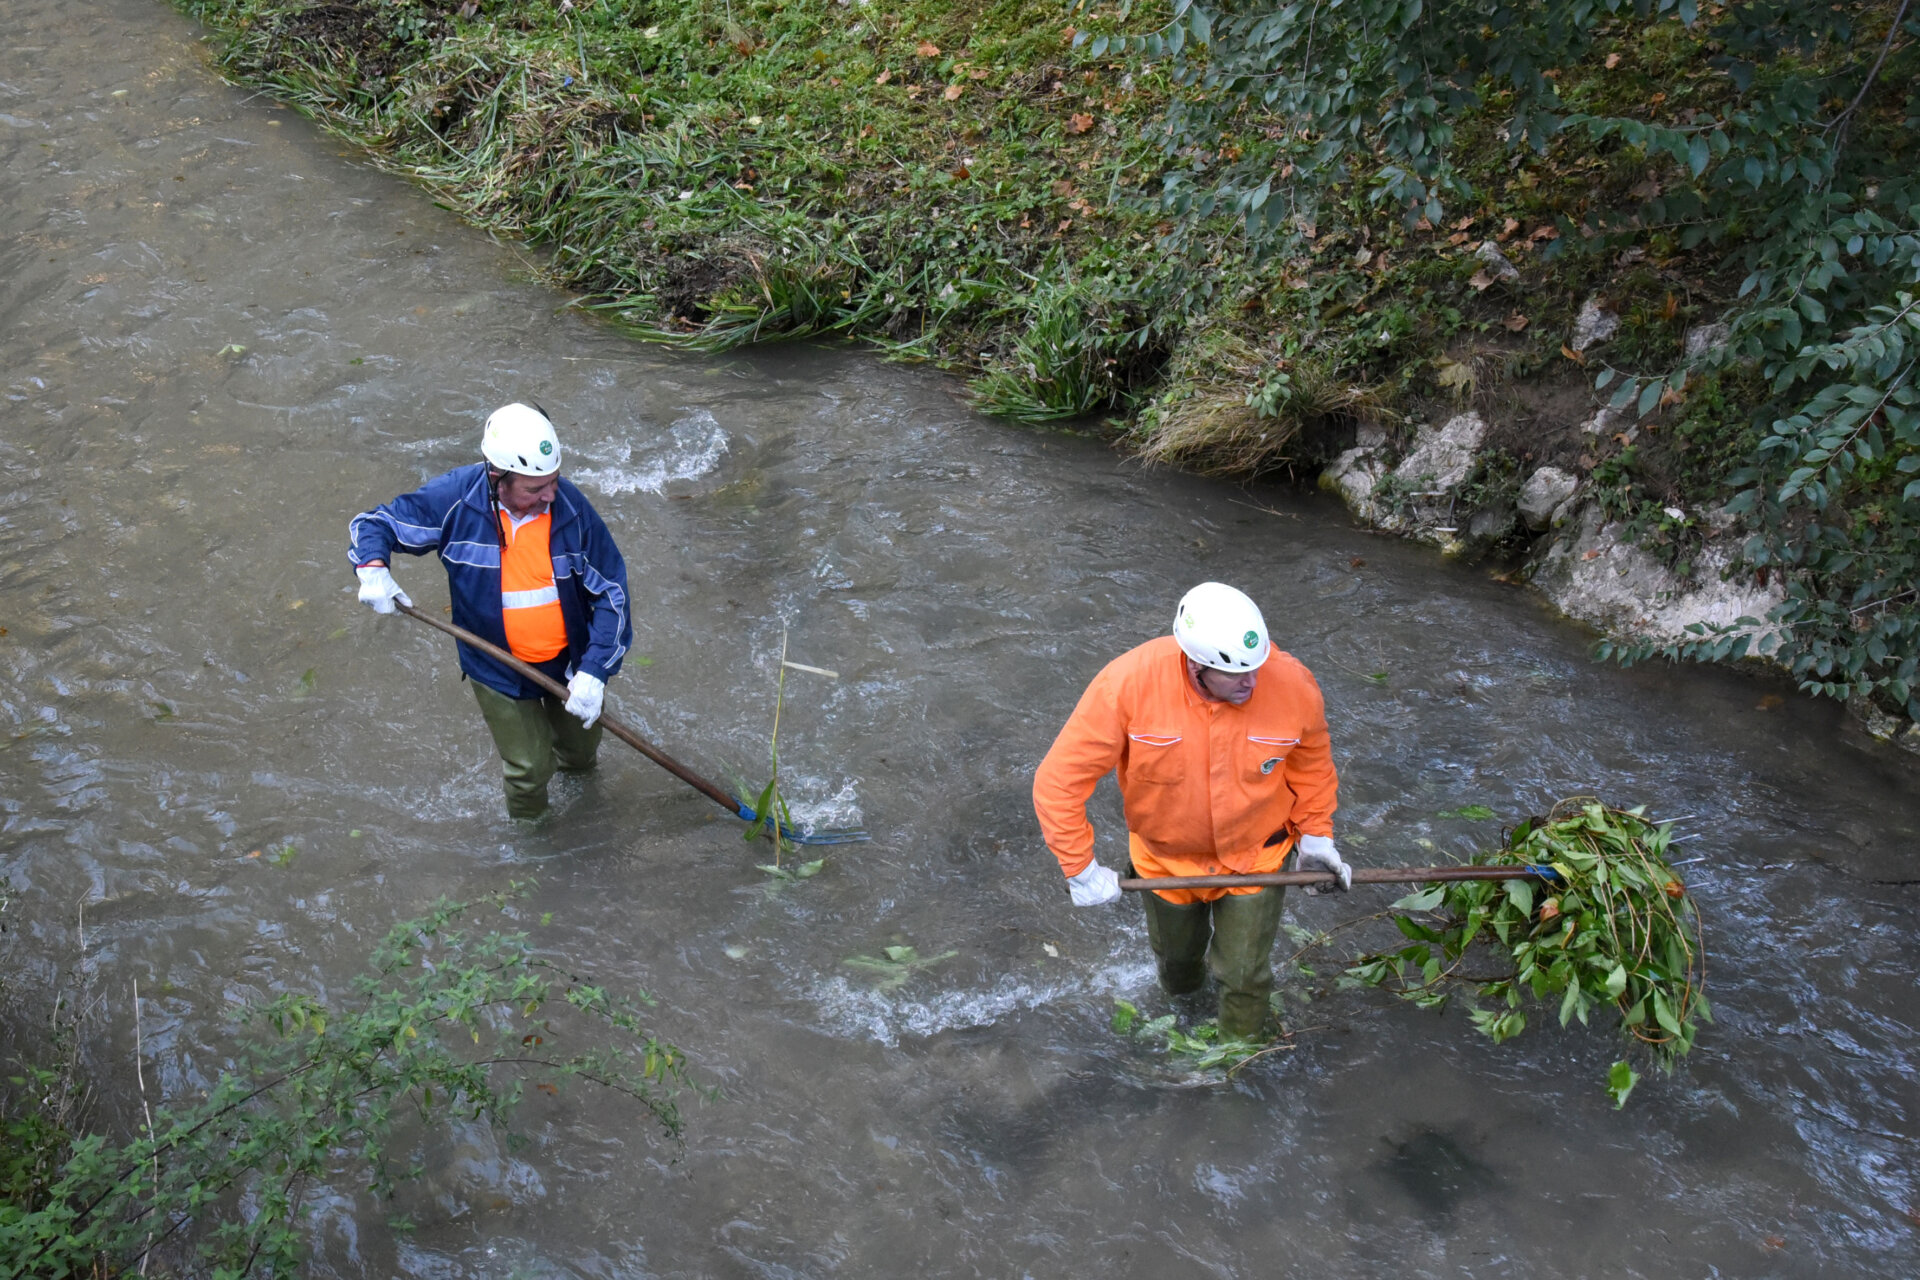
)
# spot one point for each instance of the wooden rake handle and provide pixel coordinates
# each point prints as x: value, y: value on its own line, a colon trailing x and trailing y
x: 614, y: 725
x: 1367, y: 875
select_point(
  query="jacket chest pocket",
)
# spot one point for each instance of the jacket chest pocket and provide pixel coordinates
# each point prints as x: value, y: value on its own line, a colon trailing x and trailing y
x: 1266, y: 755
x: 1153, y: 757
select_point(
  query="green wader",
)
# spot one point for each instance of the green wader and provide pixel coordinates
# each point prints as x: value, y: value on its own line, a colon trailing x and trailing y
x: 1234, y: 937
x: 534, y: 735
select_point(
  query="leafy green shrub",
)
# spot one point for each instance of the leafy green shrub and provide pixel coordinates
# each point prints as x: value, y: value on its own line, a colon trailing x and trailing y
x: 446, y: 1023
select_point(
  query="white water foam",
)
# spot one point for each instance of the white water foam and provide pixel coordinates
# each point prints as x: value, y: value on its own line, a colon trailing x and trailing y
x: 855, y: 1011
x: 841, y: 809
x: 692, y: 448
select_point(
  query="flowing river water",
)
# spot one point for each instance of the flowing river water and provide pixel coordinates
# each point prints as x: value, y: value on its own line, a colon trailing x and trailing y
x: 222, y: 334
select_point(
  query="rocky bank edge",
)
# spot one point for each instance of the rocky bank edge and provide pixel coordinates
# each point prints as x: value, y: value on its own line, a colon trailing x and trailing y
x: 1415, y: 483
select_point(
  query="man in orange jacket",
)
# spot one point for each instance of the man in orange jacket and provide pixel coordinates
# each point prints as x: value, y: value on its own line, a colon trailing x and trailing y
x: 1225, y: 768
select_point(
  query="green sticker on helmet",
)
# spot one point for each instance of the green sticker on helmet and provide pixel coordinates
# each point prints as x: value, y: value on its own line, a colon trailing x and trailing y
x: 1251, y: 640
x: 546, y: 446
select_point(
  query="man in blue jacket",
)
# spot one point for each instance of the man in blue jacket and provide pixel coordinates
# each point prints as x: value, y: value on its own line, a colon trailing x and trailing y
x: 532, y: 568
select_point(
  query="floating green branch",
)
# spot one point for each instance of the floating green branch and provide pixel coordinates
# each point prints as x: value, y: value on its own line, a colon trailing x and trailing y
x: 895, y: 965
x: 1202, y: 1048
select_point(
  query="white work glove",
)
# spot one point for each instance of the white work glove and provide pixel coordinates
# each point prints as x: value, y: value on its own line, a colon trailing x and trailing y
x: 1094, y: 887
x: 584, y: 693
x: 378, y: 589
x: 1318, y: 854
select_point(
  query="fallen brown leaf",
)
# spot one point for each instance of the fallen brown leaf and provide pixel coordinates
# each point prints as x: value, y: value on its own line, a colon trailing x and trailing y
x: 1064, y: 188
x: 1464, y: 223
x: 1508, y: 227
x: 1458, y: 237
x: 1516, y: 322
x: 953, y: 91
x: 961, y: 172
x: 1770, y: 702
x: 927, y: 49
x: 1590, y: 555
x: 1772, y: 1243
x: 1079, y: 122
x: 1672, y: 397
x: 1068, y: 33
x: 883, y: 77
x: 979, y: 73
x: 1066, y: 224
x: 1356, y: 563
x: 1423, y: 225
x: 1571, y: 354
x: 1613, y: 60
x: 1481, y: 280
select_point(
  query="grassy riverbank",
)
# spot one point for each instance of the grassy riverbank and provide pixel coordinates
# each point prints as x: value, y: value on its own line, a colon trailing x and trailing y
x: 964, y: 181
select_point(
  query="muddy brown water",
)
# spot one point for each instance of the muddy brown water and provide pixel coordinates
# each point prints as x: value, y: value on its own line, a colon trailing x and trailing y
x: 186, y: 678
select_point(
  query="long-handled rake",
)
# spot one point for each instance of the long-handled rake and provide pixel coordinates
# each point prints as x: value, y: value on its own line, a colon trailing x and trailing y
x: 732, y: 804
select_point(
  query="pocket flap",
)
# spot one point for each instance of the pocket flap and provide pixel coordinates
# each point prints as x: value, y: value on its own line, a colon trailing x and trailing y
x: 1273, y: 742
x: 1156, y: 739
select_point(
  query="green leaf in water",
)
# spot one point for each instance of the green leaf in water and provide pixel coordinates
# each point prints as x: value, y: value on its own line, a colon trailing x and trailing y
x: 308, y: 680
x: 162, y: 712
x: 1125, y: 1015
x: 1471, y: 812
x: 1425, y: 900
x: 1620, y: 1081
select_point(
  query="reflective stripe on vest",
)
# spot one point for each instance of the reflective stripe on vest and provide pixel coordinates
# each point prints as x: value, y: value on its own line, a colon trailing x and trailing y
x: 529, y: 602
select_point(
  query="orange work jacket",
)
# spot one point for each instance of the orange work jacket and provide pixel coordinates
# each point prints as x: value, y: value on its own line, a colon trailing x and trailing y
x: 530, y: 611
x: 1209, y: 788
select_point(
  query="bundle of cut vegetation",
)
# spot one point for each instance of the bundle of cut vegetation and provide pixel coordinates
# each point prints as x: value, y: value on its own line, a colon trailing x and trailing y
x: 1616, y: 930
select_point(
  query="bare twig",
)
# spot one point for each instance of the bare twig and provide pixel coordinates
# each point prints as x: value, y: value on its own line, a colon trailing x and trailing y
x: 140, y: 1074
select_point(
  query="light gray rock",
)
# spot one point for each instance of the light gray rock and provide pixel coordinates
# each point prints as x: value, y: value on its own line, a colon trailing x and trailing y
x: 1703, y: 338
x: 1594, y: 325
x: 1595, y: 576
x: 1488, y: 525
x: 1605, y: 422
x: 1442, y: 456
x: 1544, y: 492
x: 1352, y: 476
x: 1497, y: 264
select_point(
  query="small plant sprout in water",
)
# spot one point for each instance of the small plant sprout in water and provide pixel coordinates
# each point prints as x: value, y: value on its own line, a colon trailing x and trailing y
x: 772, y: 818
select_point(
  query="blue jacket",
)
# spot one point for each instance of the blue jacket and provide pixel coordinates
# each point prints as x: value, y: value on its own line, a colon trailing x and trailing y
x: 453, y: 515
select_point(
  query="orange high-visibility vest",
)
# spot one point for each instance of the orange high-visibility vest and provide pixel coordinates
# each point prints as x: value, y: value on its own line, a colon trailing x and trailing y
x: 529, y: 601
x: 1209, y: 788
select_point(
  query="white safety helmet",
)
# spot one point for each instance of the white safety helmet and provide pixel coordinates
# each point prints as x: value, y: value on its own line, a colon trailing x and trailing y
x: 1221, y: 628
x: 520, y: 439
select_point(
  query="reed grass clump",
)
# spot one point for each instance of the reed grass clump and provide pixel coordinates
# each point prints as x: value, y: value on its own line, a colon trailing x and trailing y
x: 1233, y: 408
